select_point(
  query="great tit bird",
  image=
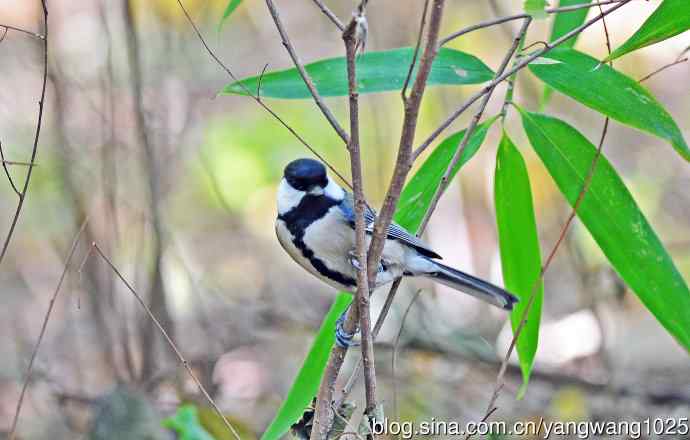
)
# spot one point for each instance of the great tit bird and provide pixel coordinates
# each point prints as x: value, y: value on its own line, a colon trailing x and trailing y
x: 316, y: 227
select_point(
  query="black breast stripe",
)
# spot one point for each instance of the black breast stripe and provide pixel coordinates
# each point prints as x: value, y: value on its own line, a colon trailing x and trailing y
x: 310, y: 209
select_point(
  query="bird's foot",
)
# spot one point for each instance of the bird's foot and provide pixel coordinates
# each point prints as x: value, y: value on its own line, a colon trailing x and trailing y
x: 343, y: 338
x: 354, y: 261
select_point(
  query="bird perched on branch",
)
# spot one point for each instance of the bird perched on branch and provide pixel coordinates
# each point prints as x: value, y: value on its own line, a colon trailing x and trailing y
x: 316, y: 227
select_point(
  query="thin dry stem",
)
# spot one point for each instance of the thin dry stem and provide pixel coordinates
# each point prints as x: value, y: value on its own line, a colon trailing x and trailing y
x: 662, y: 68
x: 304, y: 74
x: 363, y: 279
x: 37, y: 134
x: 7, y: 171
x: 519, y: 66
x: 257, y: 99
x: 403, y: 92
x: 445, y: 180
x: 170, y: 342
x: 500, y: 20
x: 23, y: 31
x: 394, y: 359
x: 331, y: 16
x: 44, y: 326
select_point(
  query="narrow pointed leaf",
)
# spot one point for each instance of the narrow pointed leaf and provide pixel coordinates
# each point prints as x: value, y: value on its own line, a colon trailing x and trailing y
x: 376, y: 72
x: 671, y: 18
x: 417, y: 194
x: 519, y: 245
x: 610, y: 92
x: 563, y: 23
x: 614, y: 220
x: 229, y: 9
x: 306, y: 384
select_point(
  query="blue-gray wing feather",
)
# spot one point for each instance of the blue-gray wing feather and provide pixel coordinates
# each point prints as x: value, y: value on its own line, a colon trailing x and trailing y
x: 395, y: 231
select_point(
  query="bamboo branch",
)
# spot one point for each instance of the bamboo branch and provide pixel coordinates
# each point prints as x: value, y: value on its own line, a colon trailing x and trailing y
x: 363, y: 278
x: 323, y: 418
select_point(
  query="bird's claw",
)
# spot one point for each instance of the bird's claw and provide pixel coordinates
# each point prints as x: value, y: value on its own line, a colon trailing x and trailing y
x: 343, y: 338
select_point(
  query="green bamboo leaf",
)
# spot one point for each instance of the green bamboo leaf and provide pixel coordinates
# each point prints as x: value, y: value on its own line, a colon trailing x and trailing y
x: 519, y: 245
x: 536, y: 8
x: 563, y: 23
x: 376, y: 72
x: 671, y: 18
x: 610, y: 92
x: 229, y: 9
x: 417, y: 194
x: 306, y: 384
x: 614, y: 220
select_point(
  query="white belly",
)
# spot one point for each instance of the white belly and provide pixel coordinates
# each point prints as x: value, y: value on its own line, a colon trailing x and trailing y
x: 334, y: 245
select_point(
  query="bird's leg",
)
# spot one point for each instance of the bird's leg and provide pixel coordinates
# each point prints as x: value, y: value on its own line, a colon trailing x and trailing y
x: 342, y: 337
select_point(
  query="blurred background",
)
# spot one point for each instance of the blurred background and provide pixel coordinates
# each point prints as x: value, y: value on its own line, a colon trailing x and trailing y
x: 178, y: 185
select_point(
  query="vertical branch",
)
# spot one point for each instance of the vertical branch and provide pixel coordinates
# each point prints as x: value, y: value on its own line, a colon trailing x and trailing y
x: 404, y: 159
x: 351, y: 44
x: 324, y: 415
x: 158, y: 301
x: 37, y: 133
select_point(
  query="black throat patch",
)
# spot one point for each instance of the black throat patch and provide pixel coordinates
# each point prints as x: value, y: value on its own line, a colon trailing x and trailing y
x: 310, y: 209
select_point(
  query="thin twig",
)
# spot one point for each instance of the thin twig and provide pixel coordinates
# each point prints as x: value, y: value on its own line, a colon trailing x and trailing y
x: 34, y: 149
x: 422, y: 23
x: 519, y: 66
x: 331, y: 16
x: 363, y: 278
x: 357, y: 370
x: 44, y: 326
x: 24, y: 31
x: 662, y: 68
x: 394, y: 359
x: 170, y: 342
x: 500, y: 20
x: 445, y: 180
x: 304, y: 74
x: 7, y: 172
x: 404, y: 160
x: 249, y: 93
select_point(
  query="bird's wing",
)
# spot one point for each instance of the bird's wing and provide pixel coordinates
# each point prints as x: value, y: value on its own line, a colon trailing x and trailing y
x: 395, y: 231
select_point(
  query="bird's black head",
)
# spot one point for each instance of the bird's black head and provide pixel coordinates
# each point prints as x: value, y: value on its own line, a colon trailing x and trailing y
x: 305, y: 174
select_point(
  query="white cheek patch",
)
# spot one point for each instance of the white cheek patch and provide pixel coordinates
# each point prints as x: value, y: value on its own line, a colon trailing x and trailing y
x: 333, y: 190
x: 288, y: 197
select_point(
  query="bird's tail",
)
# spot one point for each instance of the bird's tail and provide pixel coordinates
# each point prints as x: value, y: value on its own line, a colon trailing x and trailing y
x: 471, y: 285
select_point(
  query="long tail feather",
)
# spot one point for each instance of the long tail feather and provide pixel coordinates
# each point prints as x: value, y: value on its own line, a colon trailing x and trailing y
x: 472, y: 285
